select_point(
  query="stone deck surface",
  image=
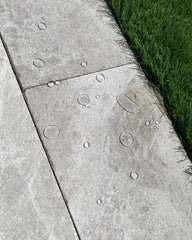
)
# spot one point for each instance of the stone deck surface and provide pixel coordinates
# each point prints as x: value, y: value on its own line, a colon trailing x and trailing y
x: 31, y: 205
x: 86, y: 149
x: 51, y: 40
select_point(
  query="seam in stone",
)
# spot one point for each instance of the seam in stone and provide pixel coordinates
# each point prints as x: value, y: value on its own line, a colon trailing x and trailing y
x: 11, y: 63
x: 70, y: 78
x: 48, y: 157
x: 45, y: 150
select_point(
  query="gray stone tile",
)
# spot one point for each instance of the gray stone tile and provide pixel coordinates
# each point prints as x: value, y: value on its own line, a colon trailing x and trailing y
x: 115, y: 153
x: 51, y: 40
x: 31, y: 205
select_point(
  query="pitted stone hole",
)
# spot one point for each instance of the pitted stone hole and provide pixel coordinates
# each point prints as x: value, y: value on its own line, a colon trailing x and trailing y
x: 83, y: 99
x: 100, y: 77
x: 99, y: 201
x: 51, y: 132
x: 126, y: 139
x: 50, y: 84
x: 42, y: 26
x: 134, y: 175
x: 38, y: 63
x: 86, y: 145
x: 84, y: 64
x: 139, y: 97
x: 147, y: 123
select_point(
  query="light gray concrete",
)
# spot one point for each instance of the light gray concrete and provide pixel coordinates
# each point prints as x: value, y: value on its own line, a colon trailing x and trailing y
x: 117, y: 158
x: 31, y: 205
x: 51, y: 40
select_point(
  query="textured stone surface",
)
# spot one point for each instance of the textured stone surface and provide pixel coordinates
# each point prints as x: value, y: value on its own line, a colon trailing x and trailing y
x: 31, y: 206
x: 115, y: 154
x: 51, y: 40
x: 117, y: 158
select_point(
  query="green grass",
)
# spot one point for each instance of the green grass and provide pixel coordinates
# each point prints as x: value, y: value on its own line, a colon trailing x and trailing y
x: 160, y: 33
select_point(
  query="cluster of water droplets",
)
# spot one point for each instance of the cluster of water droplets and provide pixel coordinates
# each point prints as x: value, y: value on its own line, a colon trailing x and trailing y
x: 153, y: 123
x: 52, y: 84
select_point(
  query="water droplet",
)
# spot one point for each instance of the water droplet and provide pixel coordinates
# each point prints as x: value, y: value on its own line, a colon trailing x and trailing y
x: 126, y: 139
x: 100, y: 77
x: 86, y: 145
x: 83, y: 106
x: 38, y: 63
x: 156, y: 129
x: 99, y: 201
x: 42, y: 26
x: 134, y: 175
x: 57, y: 82
x: 50, y: 84
x: 83, y: 99
x: 84, y: 64
x: 157, y: 122
x: 139, y: 97
x: 97, y: 97
x: 147, y: 123
x: 51, y: 132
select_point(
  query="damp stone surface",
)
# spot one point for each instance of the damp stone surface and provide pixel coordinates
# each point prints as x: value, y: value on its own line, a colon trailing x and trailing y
x: 72, y: 38
x: 31, y: 205
x: 135, y: 190
x: 120, y: 173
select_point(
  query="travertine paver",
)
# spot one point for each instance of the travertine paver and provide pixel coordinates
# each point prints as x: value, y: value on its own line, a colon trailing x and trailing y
x: 115, y: 155
x: 117, y: 158
x: 31, y: 206
x: 51, y: 40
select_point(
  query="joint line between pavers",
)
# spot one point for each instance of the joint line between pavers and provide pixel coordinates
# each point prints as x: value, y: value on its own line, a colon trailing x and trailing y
x: 46, y: 153
x: 70, y: 78
x: 11, y: 63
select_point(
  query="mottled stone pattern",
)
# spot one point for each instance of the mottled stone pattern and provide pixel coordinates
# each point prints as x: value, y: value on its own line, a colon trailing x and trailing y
x: 113, y: 150
x: 51, y: 40
x: 31, y: 206
x: 116, y: 156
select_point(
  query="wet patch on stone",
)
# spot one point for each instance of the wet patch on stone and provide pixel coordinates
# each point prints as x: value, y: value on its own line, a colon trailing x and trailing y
x: 51, y: 132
